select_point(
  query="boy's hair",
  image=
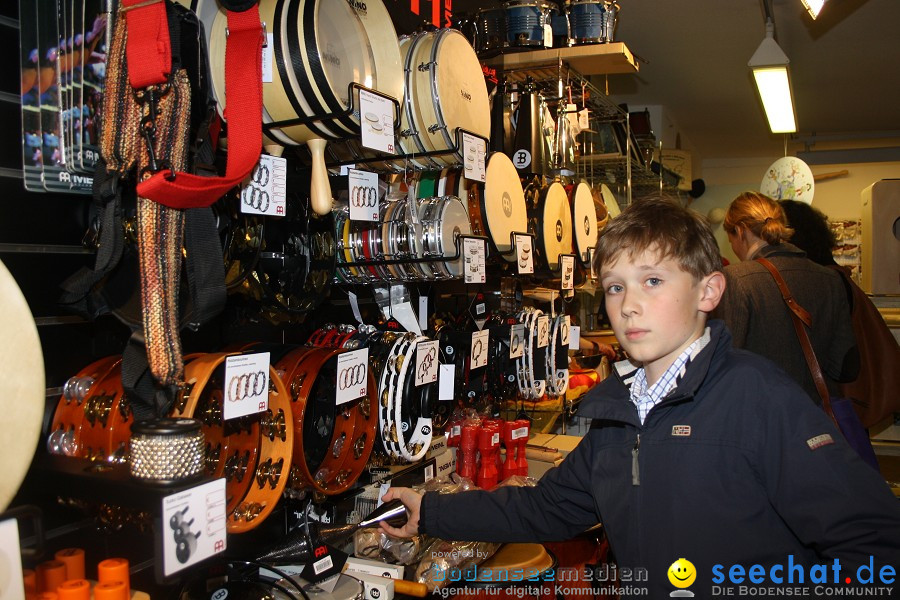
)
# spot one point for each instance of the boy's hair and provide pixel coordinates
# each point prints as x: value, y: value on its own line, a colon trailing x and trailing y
x: 660, y: 223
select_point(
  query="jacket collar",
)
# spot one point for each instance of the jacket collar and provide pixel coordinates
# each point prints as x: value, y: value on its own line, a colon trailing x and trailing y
x: 609, y: 400
x: 782, y: 249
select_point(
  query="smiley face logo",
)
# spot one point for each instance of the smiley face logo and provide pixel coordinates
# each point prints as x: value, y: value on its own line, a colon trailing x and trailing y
x: 682, y: 573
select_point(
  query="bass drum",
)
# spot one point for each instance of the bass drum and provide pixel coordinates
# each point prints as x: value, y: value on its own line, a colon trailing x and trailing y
x: 445, y: 90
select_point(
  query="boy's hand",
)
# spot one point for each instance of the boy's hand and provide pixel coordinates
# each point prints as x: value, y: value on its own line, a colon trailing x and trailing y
x: 412, y: 500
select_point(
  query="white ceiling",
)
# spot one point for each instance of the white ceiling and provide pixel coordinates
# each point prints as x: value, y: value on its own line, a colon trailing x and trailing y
x: 844, y: 68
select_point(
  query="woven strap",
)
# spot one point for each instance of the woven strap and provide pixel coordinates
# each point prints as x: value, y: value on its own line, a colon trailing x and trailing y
x: 150, y: 60
x: 802, y: 319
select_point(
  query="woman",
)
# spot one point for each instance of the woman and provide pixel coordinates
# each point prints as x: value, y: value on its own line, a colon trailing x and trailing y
x: 875, y: 389
x: 754, y: 309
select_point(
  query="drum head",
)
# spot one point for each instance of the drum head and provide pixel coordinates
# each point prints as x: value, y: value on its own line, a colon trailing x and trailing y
x: 454, y: 222
x: 462, y: 98
x: 379, y: 29
x: 22, y: 370
x: 584, y: 219
x: 557, y: 225
x: 503, y: 204
x: 609, y: 199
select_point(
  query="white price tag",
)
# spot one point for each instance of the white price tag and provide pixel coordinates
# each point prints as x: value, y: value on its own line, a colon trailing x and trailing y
x: 352, y: 375
x: 590, y: 259
x: 354, y: 307
x: 246, y: 385
x: 473, y: 157
x: 584, y: 119
x: 548, y: 35
x: 474, y: 251
x: 574, y: 337
x: 480, y: 309
x: 543, y: 327
x: 11, y: 584
x: 429, y: 473
x: 426, y: 362
x: 567, y: 264
x: 264, y: 192
x: 446, y: 382
x: 517, y: 340
x: 521, y: 432
x: 479, y: 355
x: 564, y: 330
x: 267, y: 53
x: 363, y: 187
x: 195, y: 521
x: 525, y: 256
x: 423, y: 313
x: 377, y: 120
x: 320, y: 566
x: 345, y: 169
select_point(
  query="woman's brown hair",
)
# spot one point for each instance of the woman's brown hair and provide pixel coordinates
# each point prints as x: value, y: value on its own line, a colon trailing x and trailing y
x: 760, y: 215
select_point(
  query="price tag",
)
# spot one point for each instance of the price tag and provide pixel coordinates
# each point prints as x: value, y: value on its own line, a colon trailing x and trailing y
x: 543, y: 327
x: 479, y: 353
x: 446, y: 382
x: 564, y: 329
x: 426, y: 362
x: 246, y: 385
x: 352, y: 374
x: 480, y: 309
x: 548, y: 35
x: 517, y: 340
x: 474, y: 251
x: 567, y: 264
x: 377, y: 121
x: 195, y: 521
x: 524, y: 253
x: 363, y: 187
x: 429, y: 473
x: 11, y: 586
x: 423, y: 313
x: 267, y: 58
x: 345, y: 169
x: 264, y: 192
x: 590, y: 259
x: 354, y: 307
x: 473, y: 157
x: 574, y: 337
x: 584, y: 119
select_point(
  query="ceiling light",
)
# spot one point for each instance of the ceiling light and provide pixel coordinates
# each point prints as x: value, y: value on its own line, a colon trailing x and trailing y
x: 813, y: 6
x: 772, y: 76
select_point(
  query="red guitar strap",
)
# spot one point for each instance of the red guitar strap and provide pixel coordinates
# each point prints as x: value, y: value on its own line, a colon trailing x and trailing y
x: 149, y: 63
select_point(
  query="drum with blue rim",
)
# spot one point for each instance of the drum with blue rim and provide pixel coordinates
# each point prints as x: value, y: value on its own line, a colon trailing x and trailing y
x: 528, y: 22
x: 591, y: 21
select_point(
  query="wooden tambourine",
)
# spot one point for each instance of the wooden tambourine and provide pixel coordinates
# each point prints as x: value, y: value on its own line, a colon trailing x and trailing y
x: 253, y: 453
x: 331, y: 444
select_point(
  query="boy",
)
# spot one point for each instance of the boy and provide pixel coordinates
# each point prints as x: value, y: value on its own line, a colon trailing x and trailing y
x: 696, y: 451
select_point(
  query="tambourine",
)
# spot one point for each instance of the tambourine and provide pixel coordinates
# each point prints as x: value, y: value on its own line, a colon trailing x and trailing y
x: 68, y: 418
x: 330, y: 442
x: 557, y: 358
x: 253, y: 452
x: 106, y: 429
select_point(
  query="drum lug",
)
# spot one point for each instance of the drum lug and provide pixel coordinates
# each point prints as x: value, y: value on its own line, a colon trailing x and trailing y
x: 427, y: 65
x: 436, y: 127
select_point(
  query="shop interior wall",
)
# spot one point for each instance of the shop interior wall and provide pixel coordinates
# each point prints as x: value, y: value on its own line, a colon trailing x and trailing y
x: 838, y: 198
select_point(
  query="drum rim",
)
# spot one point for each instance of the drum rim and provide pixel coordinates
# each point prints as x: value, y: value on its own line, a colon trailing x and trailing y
x: 454, y: 268
x: 506, y: 246
x: 422, y: 44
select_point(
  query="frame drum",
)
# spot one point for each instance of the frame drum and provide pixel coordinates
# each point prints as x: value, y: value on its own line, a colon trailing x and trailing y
x: 551, y: 223
x: 503, y: 204
x: 584, y: 220
x: 444, y: 219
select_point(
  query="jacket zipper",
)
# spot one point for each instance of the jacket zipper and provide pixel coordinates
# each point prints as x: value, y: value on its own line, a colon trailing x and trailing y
x: 635, y: 467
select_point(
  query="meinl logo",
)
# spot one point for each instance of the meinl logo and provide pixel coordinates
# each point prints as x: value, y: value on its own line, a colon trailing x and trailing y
x: 466, y: 95
x: 357, y: 5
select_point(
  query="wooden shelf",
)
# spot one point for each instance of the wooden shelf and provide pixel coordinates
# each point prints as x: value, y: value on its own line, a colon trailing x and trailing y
x: 596, y: 59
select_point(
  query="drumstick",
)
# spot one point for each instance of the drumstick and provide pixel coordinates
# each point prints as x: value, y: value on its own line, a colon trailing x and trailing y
x: 832, y: 175
x: 542, y: 455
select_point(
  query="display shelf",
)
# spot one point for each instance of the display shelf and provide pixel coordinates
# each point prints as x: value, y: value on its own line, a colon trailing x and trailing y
x: 595, y: 59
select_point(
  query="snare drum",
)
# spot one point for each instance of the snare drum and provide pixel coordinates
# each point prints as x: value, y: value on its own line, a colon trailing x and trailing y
x: 445, y: 90
x: 591, y: 21
x: 444, y: 219
x: 527, y: 22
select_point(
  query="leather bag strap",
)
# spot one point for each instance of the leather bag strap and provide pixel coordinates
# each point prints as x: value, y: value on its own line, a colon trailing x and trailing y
x: 801, y: 317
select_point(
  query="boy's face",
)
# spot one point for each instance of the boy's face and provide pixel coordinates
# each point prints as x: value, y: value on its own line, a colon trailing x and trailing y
x: 657, y: 309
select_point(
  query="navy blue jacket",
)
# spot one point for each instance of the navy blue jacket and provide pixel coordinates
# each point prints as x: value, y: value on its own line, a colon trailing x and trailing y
x: 735, y: 466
